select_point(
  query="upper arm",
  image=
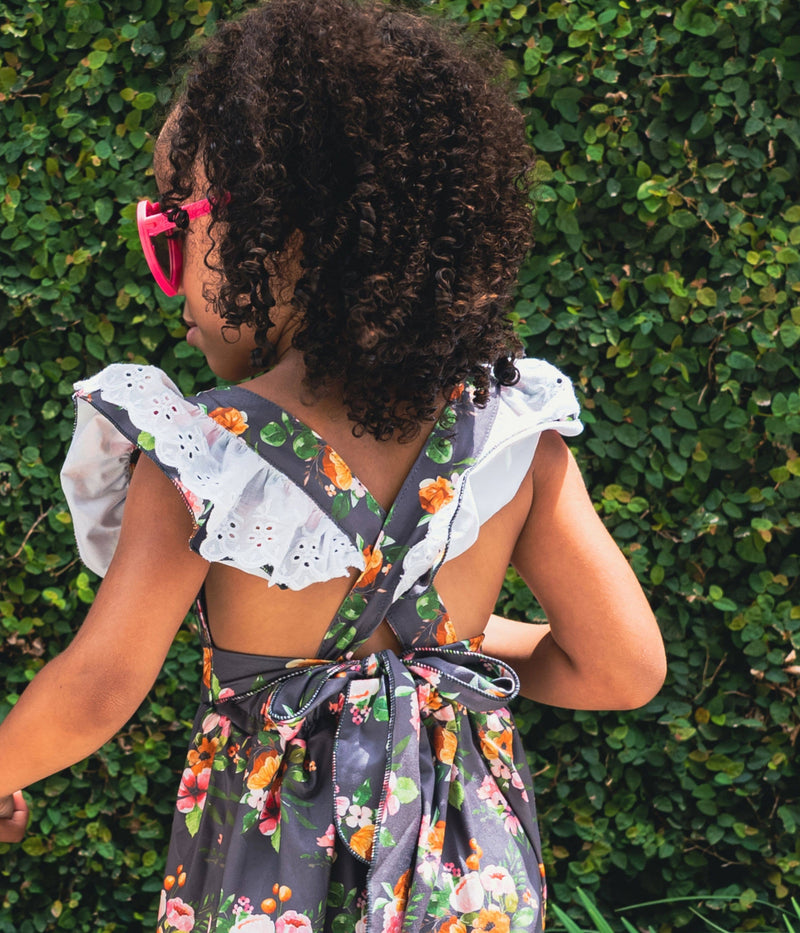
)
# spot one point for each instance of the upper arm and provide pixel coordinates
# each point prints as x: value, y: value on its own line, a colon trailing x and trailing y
x: 598, y: 613
x: 150, y: 585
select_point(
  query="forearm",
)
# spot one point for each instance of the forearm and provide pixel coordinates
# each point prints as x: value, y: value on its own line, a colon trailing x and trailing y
x: 60, y: 719
x: 599, y: 666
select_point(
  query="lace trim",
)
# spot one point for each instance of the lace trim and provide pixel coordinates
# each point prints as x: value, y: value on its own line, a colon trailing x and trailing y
x: 542, y: 400
x: 254, y: 517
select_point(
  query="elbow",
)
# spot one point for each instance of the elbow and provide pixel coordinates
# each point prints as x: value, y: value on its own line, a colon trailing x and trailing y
x: 641, y: 682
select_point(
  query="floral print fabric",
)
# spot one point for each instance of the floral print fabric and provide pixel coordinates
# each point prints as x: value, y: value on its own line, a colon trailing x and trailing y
x: 329, y: 795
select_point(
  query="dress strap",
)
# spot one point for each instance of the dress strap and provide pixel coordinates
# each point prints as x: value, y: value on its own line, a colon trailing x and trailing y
x: 428, y: 495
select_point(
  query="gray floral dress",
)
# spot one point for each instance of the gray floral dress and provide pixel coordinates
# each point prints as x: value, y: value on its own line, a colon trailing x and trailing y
x: 387, y: 794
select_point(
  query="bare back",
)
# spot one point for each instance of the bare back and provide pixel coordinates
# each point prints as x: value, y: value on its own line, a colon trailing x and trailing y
x: 248, y: 615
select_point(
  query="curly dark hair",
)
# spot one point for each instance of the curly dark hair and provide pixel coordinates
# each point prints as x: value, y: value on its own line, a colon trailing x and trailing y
x: 390, y: 143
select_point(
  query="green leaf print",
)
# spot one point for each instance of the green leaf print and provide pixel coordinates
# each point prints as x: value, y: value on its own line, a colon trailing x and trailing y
x: 340, y: 507
x: 335, y: 894
x: 387, y: 840
x: 193, y: 820
x: 440, y: 450
x: 428, y: 606
x: 406, y: 790
x: 455, y: 796
x: 448, y: 417
x: 146, y: 441
x: 249, y: 820
x: 524, y: 920
x: 287, y: 423
x: 352, y: 607
x: 362, y: 794
x: 380, y: 709
x: 273, y: 434
x: 372, y: 503
x: 345, y: 638
x: 305, y: 445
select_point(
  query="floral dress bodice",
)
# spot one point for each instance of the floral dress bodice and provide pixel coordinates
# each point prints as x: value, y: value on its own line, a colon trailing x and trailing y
x: 386, y: 793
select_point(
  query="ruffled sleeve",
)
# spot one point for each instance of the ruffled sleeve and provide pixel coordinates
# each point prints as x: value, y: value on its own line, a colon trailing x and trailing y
x: 245, y: 512
x: 542, y: 400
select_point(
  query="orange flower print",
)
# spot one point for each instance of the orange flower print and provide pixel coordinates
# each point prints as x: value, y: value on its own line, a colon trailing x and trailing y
x: 361, y: 841
x: 490, y: 920
x: 337, y: 471
x: 373, y: 561
x: 401, y: 891
x: 435, y: 841
x: 435, y: 493
x: 445, y: 631
x: 474, y: 860
x: 202, y: 757
x: 452, y: 925
x: 493, y: 746
x: 457, y: 392
x: 264, y: 768
x: 231, y: 419
x: 207, y: 667
x: 445, y: 744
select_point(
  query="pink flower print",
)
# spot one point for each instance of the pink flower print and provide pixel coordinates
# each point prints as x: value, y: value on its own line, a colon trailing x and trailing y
x: 243, y: 905
x: 293, y: 922
x: 392, y: 920
x: 192, y: 792
x: 467, y: 895
x: 392, y: 804
x: 180, y: 915
x: 512, y: 823
x: 500, y: 770
x: 271, y: 814
x: 194, y: 502
x: 491, y: 792
x: 496, y: 880
x: 326, y: 842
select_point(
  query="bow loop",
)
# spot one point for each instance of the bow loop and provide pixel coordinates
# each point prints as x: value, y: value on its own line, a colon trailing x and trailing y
x: 377, y: 760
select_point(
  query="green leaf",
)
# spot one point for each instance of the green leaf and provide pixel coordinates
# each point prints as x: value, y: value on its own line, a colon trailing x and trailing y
x: 548, y: 141
x: 104, y: 208
x: 456, y: 794
x: 97, y: 58
x: 406, y: 790
x: 683, y: 220
x: 273, y: 434
x: 193, y: 820
x: 787, y: 256
x: 305, y: 445
x: 428, y: 606
x: 439, y: 449
x: 707, y: 297
x: 144, y: 100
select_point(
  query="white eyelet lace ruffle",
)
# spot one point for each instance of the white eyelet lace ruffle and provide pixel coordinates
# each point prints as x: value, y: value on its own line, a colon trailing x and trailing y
x: 255, y: 518
x: 542, y: 400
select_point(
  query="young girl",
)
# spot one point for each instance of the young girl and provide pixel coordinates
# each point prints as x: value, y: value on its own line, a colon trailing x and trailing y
x: 343, y: 208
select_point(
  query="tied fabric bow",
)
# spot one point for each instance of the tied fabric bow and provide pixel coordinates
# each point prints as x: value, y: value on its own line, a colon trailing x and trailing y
x: 390, y: 773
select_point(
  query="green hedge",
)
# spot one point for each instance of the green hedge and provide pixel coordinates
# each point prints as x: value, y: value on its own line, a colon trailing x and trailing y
x: 665, y: 281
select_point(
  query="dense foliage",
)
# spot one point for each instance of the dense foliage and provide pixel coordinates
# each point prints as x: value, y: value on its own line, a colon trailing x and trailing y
x: 665, y: 282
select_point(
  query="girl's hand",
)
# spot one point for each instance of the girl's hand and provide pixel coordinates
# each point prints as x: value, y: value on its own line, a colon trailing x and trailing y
x: 13, y: 817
